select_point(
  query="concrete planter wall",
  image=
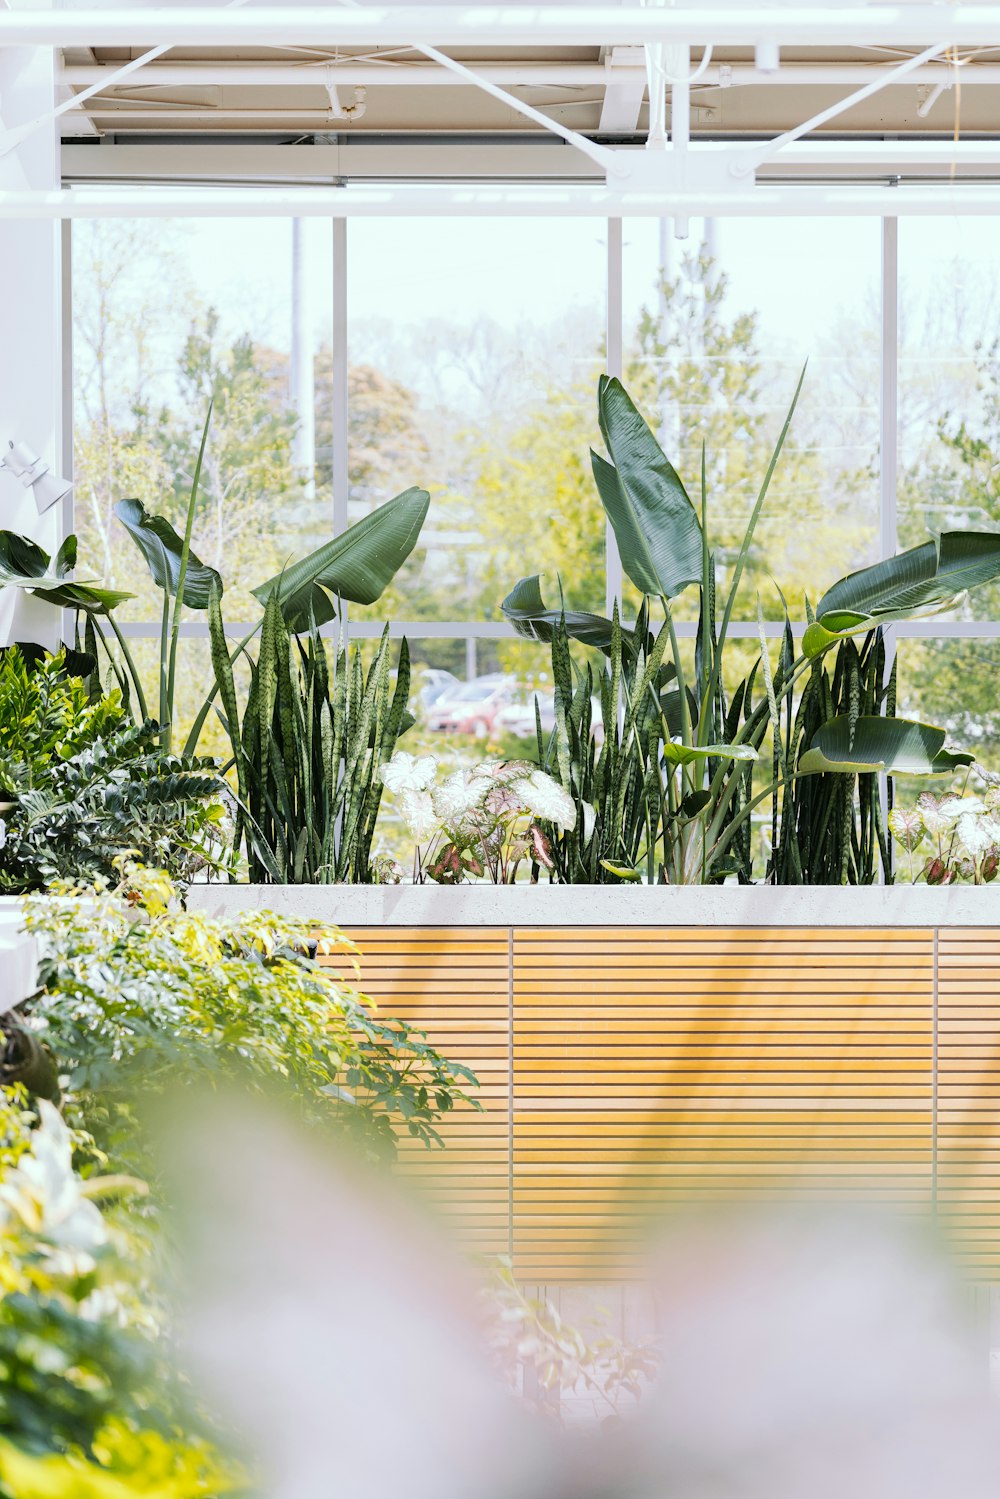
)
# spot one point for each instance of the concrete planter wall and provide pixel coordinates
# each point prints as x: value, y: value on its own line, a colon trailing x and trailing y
x: 638, y: 1047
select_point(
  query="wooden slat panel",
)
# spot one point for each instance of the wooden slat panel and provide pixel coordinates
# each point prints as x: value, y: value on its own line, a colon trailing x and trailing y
x: 658, y: 1066
x: 453, y: 983
x: 968, y: 1132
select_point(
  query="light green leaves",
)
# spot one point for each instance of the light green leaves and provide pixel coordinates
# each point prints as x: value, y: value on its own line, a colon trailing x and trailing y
x: 655, y: 524
x: 358, y: 565
x: 922, y: 580
x: 897, y: 745
x: 684, y: 754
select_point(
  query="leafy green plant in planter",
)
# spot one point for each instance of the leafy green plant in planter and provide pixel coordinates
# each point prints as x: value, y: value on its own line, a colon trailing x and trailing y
x: 309, y: 749
x: 951, y: 838
x: 832, y: 829
x: 356, y: 566
x: 695, y: 770
x: 81, y: 785
x: 179, y: 997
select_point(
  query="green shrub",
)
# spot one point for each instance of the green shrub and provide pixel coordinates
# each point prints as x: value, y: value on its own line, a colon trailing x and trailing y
x: 82, y: 785
x: 177, y: 997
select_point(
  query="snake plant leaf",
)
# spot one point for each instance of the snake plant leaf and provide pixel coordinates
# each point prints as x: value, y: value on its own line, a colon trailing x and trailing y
x: 922, y: 580
x: 358, y: 565
x: 687, y: 754
x: 527, y: 611
x: 900, y: 746
x: 161, y: 546
x: 23, y: 564
x: 656, y: 525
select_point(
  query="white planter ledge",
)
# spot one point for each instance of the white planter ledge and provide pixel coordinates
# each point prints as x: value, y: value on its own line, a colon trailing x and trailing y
x: 613, y: 905
x: 18, y: 959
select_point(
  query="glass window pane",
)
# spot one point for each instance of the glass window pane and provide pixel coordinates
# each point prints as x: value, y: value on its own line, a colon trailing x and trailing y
x: 953, y: 683
x: 949, y: 385
x: 718, y: 328
x: 168, y: 317
x: 475, y: 348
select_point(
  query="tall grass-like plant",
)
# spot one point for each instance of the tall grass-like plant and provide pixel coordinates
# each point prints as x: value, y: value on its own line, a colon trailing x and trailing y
x: 608, y: 763
x: 309, y: 748
x: 831, y: 828
x: 694, y: 740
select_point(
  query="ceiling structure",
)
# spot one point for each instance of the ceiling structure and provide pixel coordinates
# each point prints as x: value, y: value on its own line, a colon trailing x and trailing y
x: 601, y: 91
x: 730, y: 102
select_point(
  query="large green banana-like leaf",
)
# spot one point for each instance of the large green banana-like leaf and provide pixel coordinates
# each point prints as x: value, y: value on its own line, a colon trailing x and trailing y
x: 23, y: 564
x: 358, y: 566
x: 526, y: 610
x: 924, y: 579
x: 897, y: 745
x: 162, y: 548
x: 656, y: 526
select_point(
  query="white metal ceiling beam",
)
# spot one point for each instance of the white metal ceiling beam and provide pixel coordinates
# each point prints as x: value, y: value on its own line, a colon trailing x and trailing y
x: 508, y: 74
x: 495, y: 161
x: 917, y: 25
x: 485, y: 201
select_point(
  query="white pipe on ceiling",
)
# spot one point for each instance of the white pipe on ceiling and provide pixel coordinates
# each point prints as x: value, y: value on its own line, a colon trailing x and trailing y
x: 486, y: 201
x: 511, y: 75
x: 917, y: 25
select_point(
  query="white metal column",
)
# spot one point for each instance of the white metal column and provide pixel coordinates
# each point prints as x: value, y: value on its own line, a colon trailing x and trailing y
x: 615, y: 360
x: 888, y: 444
x: 339, y: 427
x: 31, y: 369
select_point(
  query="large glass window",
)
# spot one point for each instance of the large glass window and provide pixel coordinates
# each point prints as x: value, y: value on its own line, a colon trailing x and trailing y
x: 469, y: 358
x: 474, y: 348
x: 719, y: 327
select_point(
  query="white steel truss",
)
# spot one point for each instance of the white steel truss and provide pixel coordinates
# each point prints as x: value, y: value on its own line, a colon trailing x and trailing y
x: 931, y: 23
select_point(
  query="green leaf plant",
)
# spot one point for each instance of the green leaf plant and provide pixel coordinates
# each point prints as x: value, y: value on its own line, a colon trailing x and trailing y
x: 356, y: 566
x: 672, y: 779
x: 309, y: 749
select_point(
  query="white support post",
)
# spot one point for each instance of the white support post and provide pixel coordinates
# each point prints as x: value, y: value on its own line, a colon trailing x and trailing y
x: 302, y: 381
x: 888, y: 431
x: 339, y: 429
x: 615, y: 361
x: 31, y: 369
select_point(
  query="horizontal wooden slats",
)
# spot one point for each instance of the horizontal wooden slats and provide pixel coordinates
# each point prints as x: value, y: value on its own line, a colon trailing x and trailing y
x: 655, y: 1066
x: 658, y: 1066
x: 455, y: 985
x: 968, y: 1056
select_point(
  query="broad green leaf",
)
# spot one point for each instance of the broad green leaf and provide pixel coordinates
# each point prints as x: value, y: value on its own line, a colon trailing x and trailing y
x: 357, y: 566
x: 526, y: 610
x: 897, y: 745
x: 622, y: 871
x: 686, y: 754
x: 656, y: 526
x: 162, y: 548
x: 24, y: 565
x: 922, y: 580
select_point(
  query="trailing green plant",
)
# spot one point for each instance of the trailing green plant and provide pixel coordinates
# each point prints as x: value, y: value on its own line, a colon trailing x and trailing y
x: 81, y: 785
x: 706, y: 739
x: 179, y: 997
x: 309, y: 750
